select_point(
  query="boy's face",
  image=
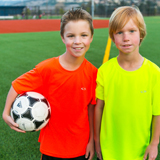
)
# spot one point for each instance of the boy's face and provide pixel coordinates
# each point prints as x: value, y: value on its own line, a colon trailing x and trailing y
x: 77, y: 37
x: 127, y: 39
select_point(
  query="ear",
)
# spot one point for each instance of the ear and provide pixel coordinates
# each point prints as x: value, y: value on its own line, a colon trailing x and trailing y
x: 141, y: 39
x: 63, y: 39
x: 112, y: 39
x: 91, y: 39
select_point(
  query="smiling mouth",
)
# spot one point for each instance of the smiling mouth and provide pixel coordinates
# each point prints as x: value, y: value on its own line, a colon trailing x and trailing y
x: 78, y: 48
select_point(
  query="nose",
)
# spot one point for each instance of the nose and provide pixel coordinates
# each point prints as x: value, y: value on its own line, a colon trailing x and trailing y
x: 125, y: 37
x: 77, y: 40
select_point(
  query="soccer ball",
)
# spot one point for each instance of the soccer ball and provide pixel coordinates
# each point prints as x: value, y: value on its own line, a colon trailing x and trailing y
x: 31, y: 111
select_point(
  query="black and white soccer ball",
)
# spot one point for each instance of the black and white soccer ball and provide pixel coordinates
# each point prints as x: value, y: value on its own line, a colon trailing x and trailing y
x: 31, y: 111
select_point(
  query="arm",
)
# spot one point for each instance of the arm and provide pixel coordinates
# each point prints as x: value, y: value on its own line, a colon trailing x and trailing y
x: 90, y: 146
x: 97, y: 126
x: 12, y: 94
x: 152, y: 149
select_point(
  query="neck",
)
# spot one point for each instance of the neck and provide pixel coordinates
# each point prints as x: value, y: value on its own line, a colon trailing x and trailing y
x: 130, y: 62
x: 129, y: 57
x: 69, y: 62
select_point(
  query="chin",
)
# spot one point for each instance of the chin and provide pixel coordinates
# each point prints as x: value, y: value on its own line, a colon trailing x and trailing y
x: 78, y: 55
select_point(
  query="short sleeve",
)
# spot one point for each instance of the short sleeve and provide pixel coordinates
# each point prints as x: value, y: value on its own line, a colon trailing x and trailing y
x: 156, y: 95
x: 100, y: 85
x: 30, y: 81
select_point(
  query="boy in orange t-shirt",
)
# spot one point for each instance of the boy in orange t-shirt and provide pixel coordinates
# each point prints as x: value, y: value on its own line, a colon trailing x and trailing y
x: 68, y: 82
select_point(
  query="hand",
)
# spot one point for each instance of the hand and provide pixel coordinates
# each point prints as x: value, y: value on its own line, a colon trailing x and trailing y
x: 98, y: 150
x: 11, y: 123
x: 90, y: 150
x: 12, y: 94
x: 151, y: 152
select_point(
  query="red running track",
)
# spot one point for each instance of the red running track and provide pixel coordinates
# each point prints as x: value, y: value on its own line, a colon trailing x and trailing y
x: 39, y: 25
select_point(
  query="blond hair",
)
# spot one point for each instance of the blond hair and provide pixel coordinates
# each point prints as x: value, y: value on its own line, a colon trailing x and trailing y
x: 122, y: 15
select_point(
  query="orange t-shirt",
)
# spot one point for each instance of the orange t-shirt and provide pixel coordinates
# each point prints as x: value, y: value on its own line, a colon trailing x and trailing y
x: 69, y: 94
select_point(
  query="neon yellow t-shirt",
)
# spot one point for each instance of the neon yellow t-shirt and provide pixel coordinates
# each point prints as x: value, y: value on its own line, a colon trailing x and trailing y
x: 131, y: 98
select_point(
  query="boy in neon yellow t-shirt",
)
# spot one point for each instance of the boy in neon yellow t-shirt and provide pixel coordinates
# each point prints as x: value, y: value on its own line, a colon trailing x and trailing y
x: 127, y: 94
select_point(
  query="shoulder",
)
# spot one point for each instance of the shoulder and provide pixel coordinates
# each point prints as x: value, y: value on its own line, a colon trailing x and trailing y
x: 151, y: 65
x: 47, y: 67
x: 109, y: 64
x: 47, y: 64
x: 89, y: 66
x: 89, y: 70
x: 107, y: 69
x: 152, y: 70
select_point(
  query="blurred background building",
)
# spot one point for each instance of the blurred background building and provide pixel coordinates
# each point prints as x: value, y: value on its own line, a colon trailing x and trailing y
x: 55, y: 8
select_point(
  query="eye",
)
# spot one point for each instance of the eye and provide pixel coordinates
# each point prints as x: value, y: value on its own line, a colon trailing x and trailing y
x: 84, y: 35
x: 132, y: 31
x: 120, y: 32
x: 70, y: 36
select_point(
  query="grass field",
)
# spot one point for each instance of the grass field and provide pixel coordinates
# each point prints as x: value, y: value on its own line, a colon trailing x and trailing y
x: 20, y: 52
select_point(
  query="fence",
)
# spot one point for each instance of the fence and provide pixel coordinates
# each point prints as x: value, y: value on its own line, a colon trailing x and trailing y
x: 102, y: 9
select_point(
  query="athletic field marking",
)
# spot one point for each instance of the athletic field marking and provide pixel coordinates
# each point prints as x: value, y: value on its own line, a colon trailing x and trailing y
x: 107, y: 51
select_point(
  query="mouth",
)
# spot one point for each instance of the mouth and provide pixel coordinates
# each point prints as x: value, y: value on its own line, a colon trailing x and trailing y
x: 78, y: 48
x: 127, y: 45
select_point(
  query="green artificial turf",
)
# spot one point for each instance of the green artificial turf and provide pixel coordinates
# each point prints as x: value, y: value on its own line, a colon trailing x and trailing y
x: 20, y: 52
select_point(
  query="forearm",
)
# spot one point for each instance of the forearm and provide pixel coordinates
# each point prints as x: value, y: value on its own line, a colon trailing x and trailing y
x: 97, y: 119
x: 155, y: 130
x: 90, y: 146
x: 90, y: 118
x: 97, y: 126
x: 12, y: 94
x: 152, y: 149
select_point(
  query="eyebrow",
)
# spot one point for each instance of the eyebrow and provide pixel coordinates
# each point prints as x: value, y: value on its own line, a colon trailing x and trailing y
x: 132, y: 27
